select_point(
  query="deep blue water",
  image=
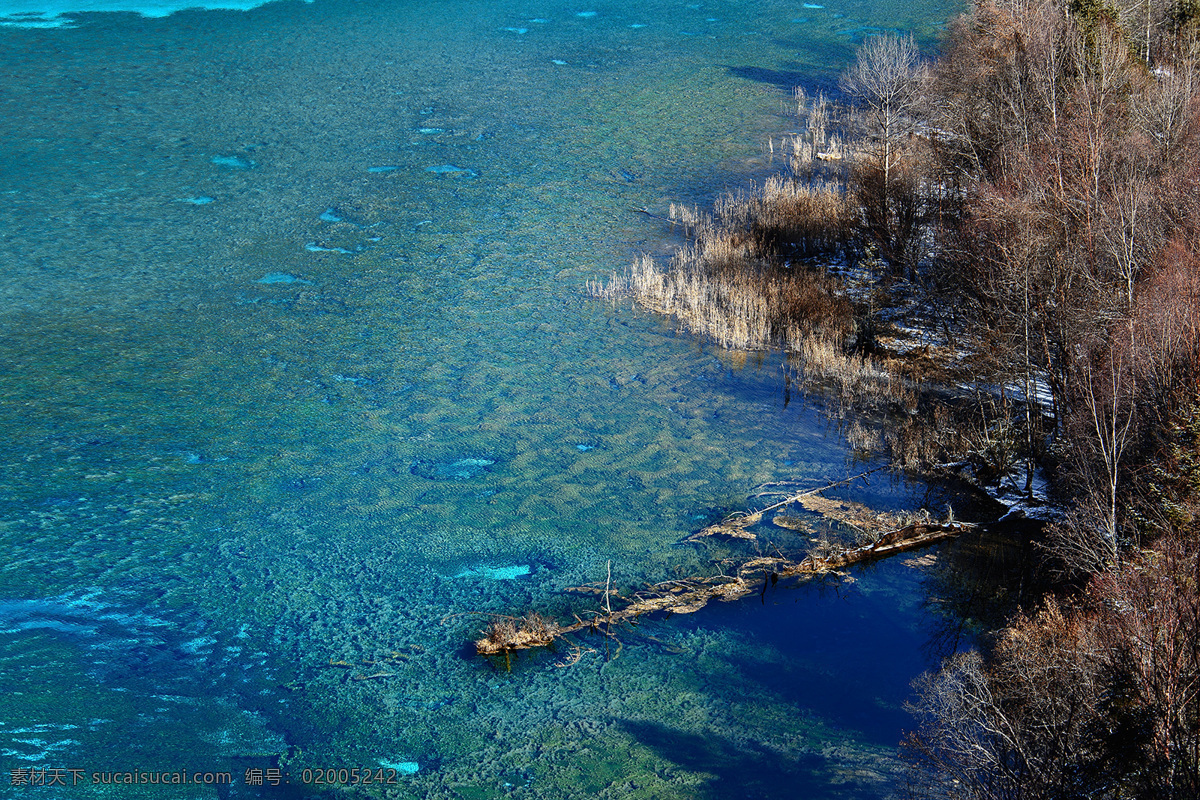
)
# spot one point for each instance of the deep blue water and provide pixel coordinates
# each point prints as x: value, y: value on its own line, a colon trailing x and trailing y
x: 297, y: 369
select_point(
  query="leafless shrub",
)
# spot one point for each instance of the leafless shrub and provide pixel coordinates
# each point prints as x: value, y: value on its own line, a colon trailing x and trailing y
x: 1148, y: 624
x: 1019, y: 726
x: 1078, y: 546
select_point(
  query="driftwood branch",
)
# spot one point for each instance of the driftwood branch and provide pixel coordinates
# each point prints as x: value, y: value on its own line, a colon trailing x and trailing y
x: 511, y: 634
x: 652, y: 215
x: 735, y: 525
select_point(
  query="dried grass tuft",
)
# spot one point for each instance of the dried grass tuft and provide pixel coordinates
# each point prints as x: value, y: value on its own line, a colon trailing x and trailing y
x: 508, y: 634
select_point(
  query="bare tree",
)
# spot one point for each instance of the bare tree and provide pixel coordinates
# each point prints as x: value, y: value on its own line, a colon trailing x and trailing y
x: 1130, y: 229
x: 1100, y: 106
x: 885, y: 80
x: 1108, y: 394
x: 1167, y: 110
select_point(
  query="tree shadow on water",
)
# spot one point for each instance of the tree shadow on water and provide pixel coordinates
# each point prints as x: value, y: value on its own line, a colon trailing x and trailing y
x: 815, y: 79
x: 784, y: 79
x: 747, y: 770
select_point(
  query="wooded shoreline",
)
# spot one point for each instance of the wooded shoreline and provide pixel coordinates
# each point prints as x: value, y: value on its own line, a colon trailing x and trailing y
x: 1029, y: 204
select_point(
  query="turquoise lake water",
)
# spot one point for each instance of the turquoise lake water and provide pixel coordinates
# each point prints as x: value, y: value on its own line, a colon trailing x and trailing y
x: 297, y: 372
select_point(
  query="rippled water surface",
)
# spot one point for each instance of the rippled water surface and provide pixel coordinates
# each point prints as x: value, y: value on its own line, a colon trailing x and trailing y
x: 298, y: 375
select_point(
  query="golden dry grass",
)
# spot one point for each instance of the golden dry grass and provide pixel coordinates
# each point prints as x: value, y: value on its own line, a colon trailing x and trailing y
x: 746, y: 277
x: 787, y: 217
x: 716, y: 289
x: 729, y: 282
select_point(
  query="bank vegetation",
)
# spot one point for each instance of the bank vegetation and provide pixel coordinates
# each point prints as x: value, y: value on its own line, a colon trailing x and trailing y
x: 999, y: 250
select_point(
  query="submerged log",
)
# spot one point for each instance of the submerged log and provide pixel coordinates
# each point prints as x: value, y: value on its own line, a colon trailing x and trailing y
x: 511, y: 634
x: 734, y: 526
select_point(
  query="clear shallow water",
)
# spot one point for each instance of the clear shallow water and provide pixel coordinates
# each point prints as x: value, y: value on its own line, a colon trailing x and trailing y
x: 297, y: 369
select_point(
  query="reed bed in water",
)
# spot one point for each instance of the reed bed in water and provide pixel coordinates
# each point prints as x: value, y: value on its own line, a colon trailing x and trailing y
x: 730, y: 281
x: 714, y: 289
x: 784, y: 217
x: 751, y: 278
x: 853, y: 379
x: 788, y: 217
x: 743, y: 280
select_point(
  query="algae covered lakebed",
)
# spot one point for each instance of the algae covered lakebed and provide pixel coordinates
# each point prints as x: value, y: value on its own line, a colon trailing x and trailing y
x: 298, y: 376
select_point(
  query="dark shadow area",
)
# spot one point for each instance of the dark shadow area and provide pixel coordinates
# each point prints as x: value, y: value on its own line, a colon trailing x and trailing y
x: 794, y: 73
x: 980, y: 581
x: 844, y: 655
x: 746, y: 770
x: 783, y: 79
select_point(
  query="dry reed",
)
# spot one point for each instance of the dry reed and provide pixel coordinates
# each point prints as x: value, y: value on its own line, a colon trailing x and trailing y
x: 716, y: 289
x: 729, y: 282
x: 746, y: 277
x: 816, y: 150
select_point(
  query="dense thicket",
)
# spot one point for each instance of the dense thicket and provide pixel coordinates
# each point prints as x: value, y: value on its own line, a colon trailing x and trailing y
x: 1075, y: 168
x: 1040, y: 184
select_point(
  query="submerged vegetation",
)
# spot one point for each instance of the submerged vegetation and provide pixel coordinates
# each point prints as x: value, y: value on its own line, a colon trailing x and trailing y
x: 1000, y: 251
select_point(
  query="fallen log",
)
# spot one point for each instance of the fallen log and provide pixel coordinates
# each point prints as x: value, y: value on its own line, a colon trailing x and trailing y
x: 735, y: 525
x: 507, y: 635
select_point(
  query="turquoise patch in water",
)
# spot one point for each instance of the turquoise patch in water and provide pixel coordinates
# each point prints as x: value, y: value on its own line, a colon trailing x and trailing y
x: 496, y: 573
x: 583, y: 448
x: 506, y: 573
x: 281, y: 277
x: 35, y: 20
x: 453, y: 171
x: 202, y: 200
x: 587, y: 14
x: 403, y: 767
x: 20, y: 15
x: 233, y: 162
x: 330, y: 215
x: 387, y: 168
x: 813, y: 5
x: 517, y: 30
x: 457, y: 470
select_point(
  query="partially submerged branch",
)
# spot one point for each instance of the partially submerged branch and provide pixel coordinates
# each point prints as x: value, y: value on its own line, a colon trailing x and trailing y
x: 511, y: 634
x: 735, y: 525
x: 517, y: 633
